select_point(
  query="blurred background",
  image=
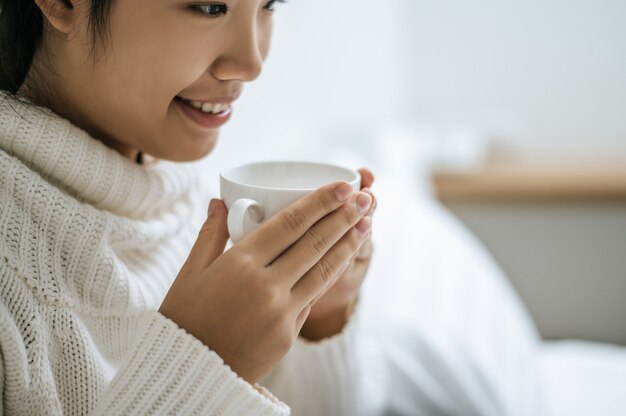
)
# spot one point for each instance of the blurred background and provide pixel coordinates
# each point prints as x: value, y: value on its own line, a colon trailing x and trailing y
x: 511, y: 115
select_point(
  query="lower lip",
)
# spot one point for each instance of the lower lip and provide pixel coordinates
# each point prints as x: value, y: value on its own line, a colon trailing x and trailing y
x: 206, y: 120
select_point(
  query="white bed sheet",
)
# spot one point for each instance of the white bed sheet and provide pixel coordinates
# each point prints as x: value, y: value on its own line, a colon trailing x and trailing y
x: 584, y: 378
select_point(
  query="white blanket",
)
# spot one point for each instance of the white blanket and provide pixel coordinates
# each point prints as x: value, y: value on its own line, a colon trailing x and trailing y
x: 449, y: 335
x: 584, y: 378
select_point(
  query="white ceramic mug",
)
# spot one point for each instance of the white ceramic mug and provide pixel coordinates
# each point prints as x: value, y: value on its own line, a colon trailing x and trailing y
x: 255, y: 192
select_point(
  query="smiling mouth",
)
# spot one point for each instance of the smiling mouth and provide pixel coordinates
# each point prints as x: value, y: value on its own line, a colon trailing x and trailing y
x: 205, y: 106
x: 207, y: 115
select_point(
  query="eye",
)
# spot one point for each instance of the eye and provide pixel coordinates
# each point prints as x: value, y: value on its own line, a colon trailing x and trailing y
x: 218, y: 9
x: 270, y: 4
x: 211, y: 10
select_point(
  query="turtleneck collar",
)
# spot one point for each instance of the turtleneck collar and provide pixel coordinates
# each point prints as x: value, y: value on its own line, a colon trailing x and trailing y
x: 69, y: 158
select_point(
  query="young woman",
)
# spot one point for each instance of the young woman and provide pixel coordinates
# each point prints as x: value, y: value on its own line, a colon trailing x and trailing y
x: 117, y: 295
x: 105, y: 106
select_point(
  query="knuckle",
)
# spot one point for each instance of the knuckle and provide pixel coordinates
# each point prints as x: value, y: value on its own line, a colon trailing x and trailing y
x: 317, y: 241
x: 270, y: 290
x: 295, y: 220
x: 325, y: 270
x: 246, y: 263
x: 207, y: 227
x: 327, y: 200
x: 349, y: 217
x: 356, y: 239
x: 269, y: 298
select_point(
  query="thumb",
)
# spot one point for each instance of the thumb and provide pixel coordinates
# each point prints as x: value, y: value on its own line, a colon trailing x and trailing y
x: 212, y: 238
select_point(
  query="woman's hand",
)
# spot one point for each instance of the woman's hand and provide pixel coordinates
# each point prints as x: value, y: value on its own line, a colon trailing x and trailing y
x: 249, y: 303
x: 330, y: 312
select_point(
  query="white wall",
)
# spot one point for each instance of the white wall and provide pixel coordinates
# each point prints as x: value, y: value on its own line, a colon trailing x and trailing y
x: 545, y: 77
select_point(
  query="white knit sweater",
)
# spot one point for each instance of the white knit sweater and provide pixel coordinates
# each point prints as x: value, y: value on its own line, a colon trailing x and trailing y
x: 89, y: 245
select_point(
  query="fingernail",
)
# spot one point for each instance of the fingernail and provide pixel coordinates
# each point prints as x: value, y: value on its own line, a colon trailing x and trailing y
x: 363, y: 201
x: 373, y: 203
x: 343, y: 191
x: 212, y: 207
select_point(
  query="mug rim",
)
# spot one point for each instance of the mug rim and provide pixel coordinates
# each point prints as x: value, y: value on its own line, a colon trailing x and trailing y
x: 224, y: 173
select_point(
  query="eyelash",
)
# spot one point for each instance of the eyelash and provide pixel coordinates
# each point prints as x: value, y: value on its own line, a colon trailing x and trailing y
x: 205, y: 8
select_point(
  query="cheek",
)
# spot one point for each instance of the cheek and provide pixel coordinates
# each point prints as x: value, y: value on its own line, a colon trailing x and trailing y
x: 157, y: 59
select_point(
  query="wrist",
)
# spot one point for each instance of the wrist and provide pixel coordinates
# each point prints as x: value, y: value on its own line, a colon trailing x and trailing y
x: 330, y: 324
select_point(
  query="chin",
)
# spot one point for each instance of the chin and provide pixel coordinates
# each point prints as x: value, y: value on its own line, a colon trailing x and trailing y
x: 191, y: 153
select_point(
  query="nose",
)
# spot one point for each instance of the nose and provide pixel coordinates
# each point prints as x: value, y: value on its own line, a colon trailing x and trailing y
x: 243, y: 54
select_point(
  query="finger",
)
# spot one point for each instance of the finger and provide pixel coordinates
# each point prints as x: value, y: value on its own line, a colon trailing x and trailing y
x: 367, y: 178
x: 313, y: 246
x: 362, y: 266
x: 278, y: 233
x: 212, y: 237
x: 359, y: 269
x: 366, y: 250
x: 319, y: 278
x: 374, y: 202
x: 335, y: 279
x: 301, y: 319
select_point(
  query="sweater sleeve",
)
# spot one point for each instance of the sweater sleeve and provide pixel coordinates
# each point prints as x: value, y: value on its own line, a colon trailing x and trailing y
x: 324, y: 377
x: 172, y: 372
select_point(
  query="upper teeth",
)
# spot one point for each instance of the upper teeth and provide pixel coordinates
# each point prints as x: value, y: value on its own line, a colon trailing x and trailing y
x: 209, y: 107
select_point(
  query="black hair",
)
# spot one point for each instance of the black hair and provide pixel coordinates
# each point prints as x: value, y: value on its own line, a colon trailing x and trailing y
x: 21, y: 33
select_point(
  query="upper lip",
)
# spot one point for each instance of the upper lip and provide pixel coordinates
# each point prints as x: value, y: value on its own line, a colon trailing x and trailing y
x: 222, y: 100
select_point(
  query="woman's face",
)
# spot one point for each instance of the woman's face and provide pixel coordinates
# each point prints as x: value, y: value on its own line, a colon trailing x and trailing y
x: 135, y: 92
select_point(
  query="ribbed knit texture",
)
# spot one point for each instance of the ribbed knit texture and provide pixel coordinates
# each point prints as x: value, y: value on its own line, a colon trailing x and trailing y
x: 91, y: 242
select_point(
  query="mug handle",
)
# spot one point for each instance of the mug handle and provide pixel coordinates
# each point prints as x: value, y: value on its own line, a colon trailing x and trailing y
x: 237, y: 216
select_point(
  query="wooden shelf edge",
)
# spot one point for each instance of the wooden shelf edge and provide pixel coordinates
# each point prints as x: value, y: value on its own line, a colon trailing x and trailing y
x: 531, y: 184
